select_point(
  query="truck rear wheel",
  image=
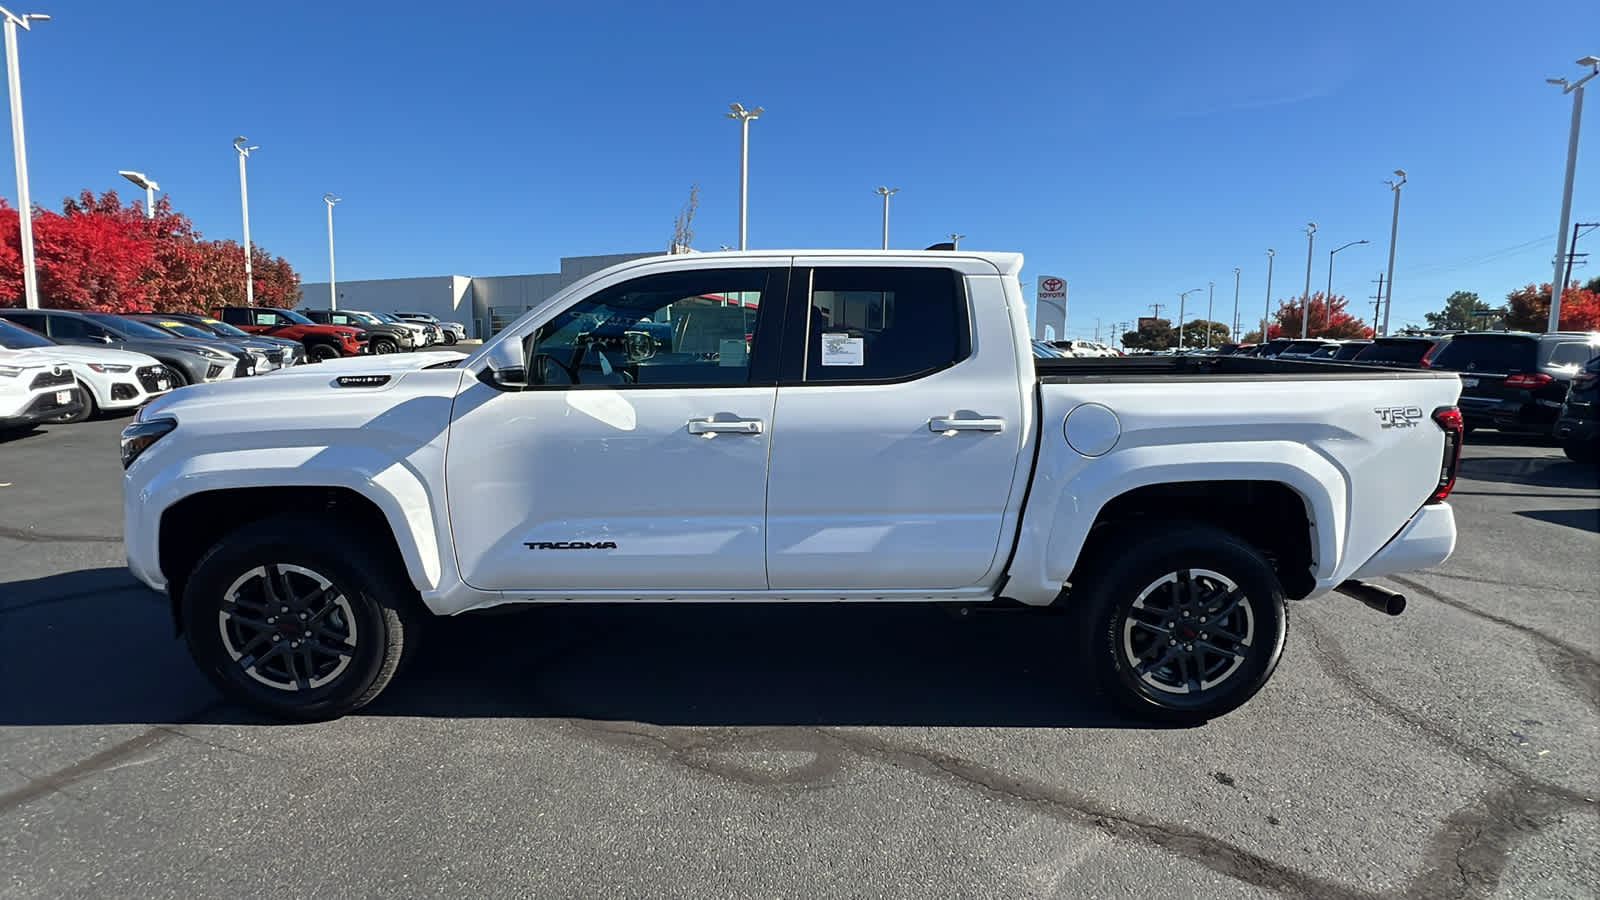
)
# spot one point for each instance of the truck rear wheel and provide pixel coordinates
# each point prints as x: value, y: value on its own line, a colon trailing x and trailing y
x: 289, y: 617
x: 1185, y: 625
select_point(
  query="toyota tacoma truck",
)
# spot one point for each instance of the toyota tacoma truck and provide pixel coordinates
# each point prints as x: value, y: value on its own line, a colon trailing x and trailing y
x: 322, y: 342
x: 748, y: 427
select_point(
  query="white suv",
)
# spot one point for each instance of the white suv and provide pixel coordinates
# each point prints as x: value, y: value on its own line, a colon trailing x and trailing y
x: 110, y: 379
x: 35, y: 388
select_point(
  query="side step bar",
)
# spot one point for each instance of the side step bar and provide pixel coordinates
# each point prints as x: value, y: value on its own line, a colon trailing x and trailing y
x: 1379, y: 598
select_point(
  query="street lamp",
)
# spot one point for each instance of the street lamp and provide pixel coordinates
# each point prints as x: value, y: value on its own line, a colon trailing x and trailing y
x: 955, y: 239
x: 244, y: 206
x: 333, y: 299
x: 1576, y: 90
x: 1266, y: 315
x: 886, y: 192
x: 1233, y: 333
x: 1305, y: 299
x: 1394, y: 230
x: 745, y: 117
x: 1327, y: 299
x: 150, y: 188
x: 1181, y: 298
x: 30, y: 279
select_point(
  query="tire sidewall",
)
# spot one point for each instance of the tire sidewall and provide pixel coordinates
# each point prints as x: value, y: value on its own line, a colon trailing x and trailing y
x: 321, y: 352
x: 86, y: 411
x: 202, y: 601
x: 1200, y: 548
x: 384, y: 346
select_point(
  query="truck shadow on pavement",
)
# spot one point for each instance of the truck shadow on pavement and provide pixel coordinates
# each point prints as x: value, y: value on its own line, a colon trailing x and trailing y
x: 1557, y: 472
x: 95, y: 647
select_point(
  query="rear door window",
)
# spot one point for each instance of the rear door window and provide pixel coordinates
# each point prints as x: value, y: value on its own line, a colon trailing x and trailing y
x: 1487, y: 354
x: 879, y: 324
x: 1571, y: 353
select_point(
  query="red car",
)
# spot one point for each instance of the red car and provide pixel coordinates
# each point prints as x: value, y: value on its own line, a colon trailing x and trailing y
x: 321, y: 341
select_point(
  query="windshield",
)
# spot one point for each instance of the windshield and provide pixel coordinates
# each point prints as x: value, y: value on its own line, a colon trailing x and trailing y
x: 1487, y: 354
x: 185, y: 329
x: 15, y: 337
x: 385, y: 317
x: 130, y: 327
x: 1394, y: 351
x: 366, y: 317
x: 1303, y: 347
x: 295, y: 317
x: 218, y: 326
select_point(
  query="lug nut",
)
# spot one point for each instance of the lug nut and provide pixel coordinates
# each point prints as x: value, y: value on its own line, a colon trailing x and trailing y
x: 304, y: 616
x: 1204, y: 636
x: 283, y: 609
x: 276, y: 638
x: 271, y: 619
x: 1202, y: 618
x: 1172, y: 643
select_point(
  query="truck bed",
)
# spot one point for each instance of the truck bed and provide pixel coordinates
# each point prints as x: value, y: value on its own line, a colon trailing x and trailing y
x: 1152, y: 368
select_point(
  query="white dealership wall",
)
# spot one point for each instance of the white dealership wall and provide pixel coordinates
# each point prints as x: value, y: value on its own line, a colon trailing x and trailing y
x: 475, y: 301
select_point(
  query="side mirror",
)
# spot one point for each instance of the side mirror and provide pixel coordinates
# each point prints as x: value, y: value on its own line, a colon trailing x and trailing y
x: 506, y: 366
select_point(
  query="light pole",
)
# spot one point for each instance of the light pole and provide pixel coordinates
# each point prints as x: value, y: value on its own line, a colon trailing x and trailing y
x: 1182, y: 297
x: 1576, y: 90
x: 1211, y: 296
x: 1266, y: 315
x: 1305, y: 299
x: 150, y: 188
x: 1394, y: 231
x: 30, y: 279
x: 955, y: 239
x: 745, y: 117
x: 886, y: 192
x: 333, y: 299
x: 1327, y: 298
x: 1233, y: 333
x: 244, y: 206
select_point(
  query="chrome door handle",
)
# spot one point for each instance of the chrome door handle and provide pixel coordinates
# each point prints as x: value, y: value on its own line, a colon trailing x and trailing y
x: 943, y: 424
x: 731, y: 426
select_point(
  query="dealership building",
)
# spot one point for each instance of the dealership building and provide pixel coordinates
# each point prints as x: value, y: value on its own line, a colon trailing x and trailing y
x: 484, y: 304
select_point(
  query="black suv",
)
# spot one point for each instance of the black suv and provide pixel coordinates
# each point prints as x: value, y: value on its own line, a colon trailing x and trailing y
x: 1515, y: 381
x: 1577, y: 429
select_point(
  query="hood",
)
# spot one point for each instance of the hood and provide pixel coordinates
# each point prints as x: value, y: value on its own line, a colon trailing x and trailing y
x: 44, y: 358
x: 77, y: 353
x: 299, y: 382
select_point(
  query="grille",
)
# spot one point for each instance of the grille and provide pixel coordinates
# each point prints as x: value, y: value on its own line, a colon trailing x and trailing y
x: 148, y: 375
x: 275, y: 356
x: 212, y: 371
x: 51, y: 379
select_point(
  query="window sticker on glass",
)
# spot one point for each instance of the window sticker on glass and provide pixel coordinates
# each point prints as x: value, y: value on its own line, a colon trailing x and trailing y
x: 842, y: 350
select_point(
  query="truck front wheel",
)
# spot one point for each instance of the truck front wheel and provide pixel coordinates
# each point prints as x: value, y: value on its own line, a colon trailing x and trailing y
x: 1185, y: 625
x: 288, y: 617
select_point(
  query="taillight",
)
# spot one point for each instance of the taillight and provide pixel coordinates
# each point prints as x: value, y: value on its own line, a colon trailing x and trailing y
x: 1449, y: 420
x: 1528, y: 380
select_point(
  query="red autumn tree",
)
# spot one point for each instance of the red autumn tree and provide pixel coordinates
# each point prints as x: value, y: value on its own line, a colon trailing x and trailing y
x: 1528, y: 308
x: 1328, y: 319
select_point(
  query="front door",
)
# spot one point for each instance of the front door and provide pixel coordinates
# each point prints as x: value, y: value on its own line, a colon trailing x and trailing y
x: 898, y: 438
x: 635, y: 462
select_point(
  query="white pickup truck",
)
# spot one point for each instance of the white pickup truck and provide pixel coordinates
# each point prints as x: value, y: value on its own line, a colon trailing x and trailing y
x: 784, y: 426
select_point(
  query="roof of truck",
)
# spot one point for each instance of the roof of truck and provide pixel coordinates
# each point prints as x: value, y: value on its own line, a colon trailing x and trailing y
x: 1008, y: 263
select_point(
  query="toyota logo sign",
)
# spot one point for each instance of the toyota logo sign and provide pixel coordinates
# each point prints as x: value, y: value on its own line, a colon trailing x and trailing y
x: 1052, y: 285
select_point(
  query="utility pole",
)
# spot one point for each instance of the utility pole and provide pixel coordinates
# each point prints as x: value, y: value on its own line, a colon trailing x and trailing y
x: 886, y: 193
x: 1305, y: 299
x: 1572, y: 254
x: 1183, y: 297
x: 30, y: 277
x: 1233, y: 334
x: 1267, y: 315
x: 1377, y: 300
x: 1155, y: 309
x: 1211, y: 296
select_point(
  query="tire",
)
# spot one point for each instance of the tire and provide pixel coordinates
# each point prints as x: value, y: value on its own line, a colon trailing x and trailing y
x: 1579, y: 451
x: 233, y: 610
x: 321, y: 352
x: 449, y: 338
x: 1126, y: 606
x: 384, y: 345
x: 84, y: 413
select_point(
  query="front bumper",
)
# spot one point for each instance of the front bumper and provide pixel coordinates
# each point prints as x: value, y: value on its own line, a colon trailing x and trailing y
x: 46, y: 406
x: 1425, y: 541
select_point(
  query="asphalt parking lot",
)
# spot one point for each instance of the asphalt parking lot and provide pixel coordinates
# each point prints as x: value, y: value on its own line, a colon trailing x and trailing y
x: 810, y: 752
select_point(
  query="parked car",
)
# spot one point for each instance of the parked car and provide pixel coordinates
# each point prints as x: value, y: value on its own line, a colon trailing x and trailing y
x: 898, y: 451
x: 321, y: 341
x: 35, y: 386
x: 382, y: 337
x: 1274, y: 347
x: 189, y: 362
x: 1047, y: 350
x: 1577, y: 429
x: 110, y: 379
x: 266, y: 356
x: 1400, y: 352
x: 449, y: 331
x: 294, y: 352
x: 1305, y: 349
x: 428, y: 332
x: 1515, y: 381
x: 1348, y: 350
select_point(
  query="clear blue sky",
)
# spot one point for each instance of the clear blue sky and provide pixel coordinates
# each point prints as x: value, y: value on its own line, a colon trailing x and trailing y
x: 1137, y: 150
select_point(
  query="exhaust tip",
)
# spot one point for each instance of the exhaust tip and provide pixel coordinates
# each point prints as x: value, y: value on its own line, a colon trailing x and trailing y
x: 1390, y: 603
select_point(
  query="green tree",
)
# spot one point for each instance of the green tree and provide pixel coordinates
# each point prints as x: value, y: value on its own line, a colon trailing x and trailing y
x: 1152, y: 334
x: 1194, y: 334
x: 1460, y: 313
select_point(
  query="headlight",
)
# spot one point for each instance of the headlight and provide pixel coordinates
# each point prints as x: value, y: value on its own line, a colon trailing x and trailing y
x: 257, y: 352
x: 138, y: 437
x: 111, y: 368
x: 209, y: 353
x: 10, y: 371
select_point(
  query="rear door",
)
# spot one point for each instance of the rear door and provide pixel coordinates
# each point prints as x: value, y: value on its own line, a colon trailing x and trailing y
x: 897, y: 436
